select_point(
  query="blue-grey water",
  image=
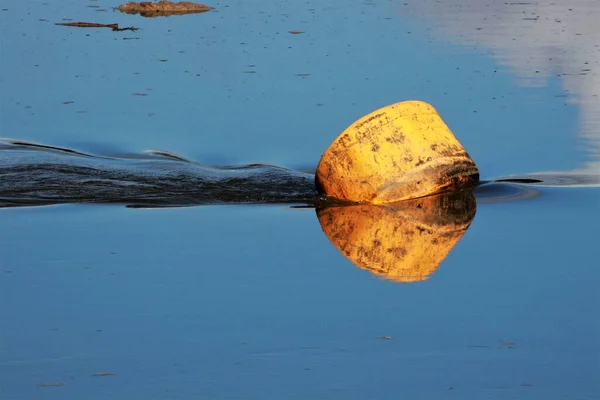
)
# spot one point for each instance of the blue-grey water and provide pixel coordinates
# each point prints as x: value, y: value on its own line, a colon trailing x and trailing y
x: 254, y: 302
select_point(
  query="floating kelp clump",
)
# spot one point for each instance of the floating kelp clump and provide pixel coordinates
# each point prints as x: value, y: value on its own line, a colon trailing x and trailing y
x: 163, y: 8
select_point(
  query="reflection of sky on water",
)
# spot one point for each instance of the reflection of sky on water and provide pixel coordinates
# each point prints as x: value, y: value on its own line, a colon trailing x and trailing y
x: 536, y: 40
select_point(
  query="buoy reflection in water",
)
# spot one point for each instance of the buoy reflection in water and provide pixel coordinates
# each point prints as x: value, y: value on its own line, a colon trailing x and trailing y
x: 404, y: 241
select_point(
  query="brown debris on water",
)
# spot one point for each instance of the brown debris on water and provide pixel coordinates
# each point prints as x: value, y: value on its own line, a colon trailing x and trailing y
x: 163, y: 8
x: 114, y: 27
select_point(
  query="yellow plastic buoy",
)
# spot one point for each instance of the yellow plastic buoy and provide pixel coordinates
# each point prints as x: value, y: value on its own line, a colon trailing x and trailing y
x: 402, y: 151
x: 402, y: 242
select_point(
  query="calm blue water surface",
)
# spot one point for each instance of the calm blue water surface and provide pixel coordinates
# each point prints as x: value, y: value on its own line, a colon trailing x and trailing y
x: 254, y: 302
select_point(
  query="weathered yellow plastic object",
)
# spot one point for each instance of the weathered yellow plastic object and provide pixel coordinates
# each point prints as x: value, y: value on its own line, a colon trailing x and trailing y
x: 402, y: 151
x: 402, y: 242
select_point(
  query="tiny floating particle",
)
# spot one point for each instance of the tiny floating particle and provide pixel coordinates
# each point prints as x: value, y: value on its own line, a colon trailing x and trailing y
x: 505, y: 344
x: 50, y: 384
x: 99, y: 374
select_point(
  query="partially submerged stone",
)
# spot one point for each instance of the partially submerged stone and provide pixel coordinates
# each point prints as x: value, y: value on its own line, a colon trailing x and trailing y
x: 402, y: 151
x: 163, y: 8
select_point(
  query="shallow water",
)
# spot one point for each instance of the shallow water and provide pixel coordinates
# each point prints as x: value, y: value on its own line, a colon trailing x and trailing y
x: 255, y: 301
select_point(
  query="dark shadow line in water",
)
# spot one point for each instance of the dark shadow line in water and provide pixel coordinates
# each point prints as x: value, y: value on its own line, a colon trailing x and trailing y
x: 518, y: 180
x: 504, y: 192
x: 16, y: 144
x: 575, y: 178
